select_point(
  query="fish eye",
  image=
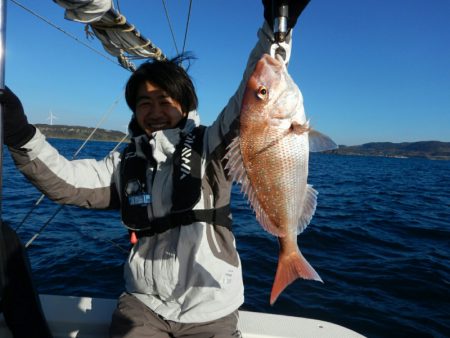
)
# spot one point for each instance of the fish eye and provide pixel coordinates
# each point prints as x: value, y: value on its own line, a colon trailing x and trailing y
x: 262, y: 92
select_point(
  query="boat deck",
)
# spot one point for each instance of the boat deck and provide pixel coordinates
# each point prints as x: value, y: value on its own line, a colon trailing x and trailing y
x: 85, y: 317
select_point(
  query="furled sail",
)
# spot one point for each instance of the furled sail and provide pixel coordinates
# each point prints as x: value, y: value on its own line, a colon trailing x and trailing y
x: 118, y: 37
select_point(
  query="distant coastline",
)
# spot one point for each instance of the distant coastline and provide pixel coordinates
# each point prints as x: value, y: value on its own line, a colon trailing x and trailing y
x: 79, y: 132
x: 433, y: 150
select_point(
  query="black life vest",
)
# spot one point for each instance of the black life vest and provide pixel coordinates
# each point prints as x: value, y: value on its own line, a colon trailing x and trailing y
x: 186, y: 192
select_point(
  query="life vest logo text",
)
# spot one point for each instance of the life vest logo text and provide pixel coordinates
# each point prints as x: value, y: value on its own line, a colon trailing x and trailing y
x: 186, y: 156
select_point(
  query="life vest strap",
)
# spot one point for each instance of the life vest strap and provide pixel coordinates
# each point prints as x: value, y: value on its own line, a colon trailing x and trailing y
x: 220, y: 216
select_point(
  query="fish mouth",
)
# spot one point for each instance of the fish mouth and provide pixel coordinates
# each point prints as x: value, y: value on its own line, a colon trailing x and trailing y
x: 269, y: 60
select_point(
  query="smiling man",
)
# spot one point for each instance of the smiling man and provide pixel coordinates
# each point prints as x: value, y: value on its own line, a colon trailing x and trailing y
x: 183, y: 275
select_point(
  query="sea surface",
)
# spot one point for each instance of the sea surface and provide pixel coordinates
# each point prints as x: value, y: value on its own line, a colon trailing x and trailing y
x: 380, y: 240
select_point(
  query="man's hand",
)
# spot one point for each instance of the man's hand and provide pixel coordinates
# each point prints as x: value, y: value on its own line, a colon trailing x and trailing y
x: 17, y: 130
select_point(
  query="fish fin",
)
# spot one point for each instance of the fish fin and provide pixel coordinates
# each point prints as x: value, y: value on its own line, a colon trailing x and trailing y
x: 320, y: 142
x: 291, y: 267
x: 263, y: 218
x: 234, y: 165
x: 309, y: 208
x: 237, y: 172
x: 299, y: 128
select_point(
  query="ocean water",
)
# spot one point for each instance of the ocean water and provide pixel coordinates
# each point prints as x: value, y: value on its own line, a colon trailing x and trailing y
x: 380, y: 240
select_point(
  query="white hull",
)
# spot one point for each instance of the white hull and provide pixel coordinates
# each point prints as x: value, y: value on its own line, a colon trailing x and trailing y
x: 85, y: 317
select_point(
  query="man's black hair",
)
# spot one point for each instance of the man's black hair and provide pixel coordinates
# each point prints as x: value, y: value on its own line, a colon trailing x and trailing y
x: 170, y: 76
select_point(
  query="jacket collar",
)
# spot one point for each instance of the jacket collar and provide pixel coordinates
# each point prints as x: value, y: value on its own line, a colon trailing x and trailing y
x: 162, y: 142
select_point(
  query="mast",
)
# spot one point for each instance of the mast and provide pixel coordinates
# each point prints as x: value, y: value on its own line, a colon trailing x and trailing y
x: 2, y: 84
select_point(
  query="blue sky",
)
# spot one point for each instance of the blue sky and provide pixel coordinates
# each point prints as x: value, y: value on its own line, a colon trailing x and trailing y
x: 369, y: 70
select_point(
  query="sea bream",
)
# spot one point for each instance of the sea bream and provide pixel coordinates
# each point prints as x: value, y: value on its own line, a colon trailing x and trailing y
x: 269, y: 159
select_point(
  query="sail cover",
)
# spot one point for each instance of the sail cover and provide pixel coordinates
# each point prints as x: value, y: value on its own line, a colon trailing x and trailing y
x: 118, y: 37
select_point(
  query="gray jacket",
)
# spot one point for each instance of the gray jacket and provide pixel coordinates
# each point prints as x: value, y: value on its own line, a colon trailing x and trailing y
x: 186, y: 274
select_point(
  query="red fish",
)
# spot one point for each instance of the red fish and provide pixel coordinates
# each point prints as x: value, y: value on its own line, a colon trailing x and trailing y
x: 270, y: 160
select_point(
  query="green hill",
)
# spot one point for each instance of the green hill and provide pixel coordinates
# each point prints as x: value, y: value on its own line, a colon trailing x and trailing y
x: 434, y: 150
x: 80, y: 133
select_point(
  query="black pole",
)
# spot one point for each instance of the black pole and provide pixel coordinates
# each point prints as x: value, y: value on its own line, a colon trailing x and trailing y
x: 3, y: 255
x: 2, y: 85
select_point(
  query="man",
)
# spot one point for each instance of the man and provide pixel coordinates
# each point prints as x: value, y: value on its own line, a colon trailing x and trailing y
x: 183, y: 276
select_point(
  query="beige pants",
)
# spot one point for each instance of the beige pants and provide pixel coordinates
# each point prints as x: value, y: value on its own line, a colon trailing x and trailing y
x: 132, y: 319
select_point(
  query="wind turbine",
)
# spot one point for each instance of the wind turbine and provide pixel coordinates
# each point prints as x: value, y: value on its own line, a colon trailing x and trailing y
x: 51, y: 117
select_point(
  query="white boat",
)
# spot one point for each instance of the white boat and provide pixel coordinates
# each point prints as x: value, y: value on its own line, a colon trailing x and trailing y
x: 85, y: 317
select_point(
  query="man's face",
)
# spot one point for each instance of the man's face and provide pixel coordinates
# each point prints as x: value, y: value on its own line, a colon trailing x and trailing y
x: 155, y: 109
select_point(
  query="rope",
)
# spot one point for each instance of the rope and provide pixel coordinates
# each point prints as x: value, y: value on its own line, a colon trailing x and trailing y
x: 142, y: 50
x: 119, y: 21
x: 141, y: 46
x: 122, y: 60
x: 122, y: 20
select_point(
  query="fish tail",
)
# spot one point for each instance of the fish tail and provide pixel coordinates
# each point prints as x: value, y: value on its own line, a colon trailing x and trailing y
x: 290, y: 267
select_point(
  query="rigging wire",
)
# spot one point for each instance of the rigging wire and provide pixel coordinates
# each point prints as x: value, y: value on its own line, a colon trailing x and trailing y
x: 104, y: 117
x: 42, y: 228
x: 65, y: 32
x: 170, y: 25
x: 100, y: 122
x: 118, y: 6
x: 38, y: 233
x: 40, y: 199
x: 187, y: 26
